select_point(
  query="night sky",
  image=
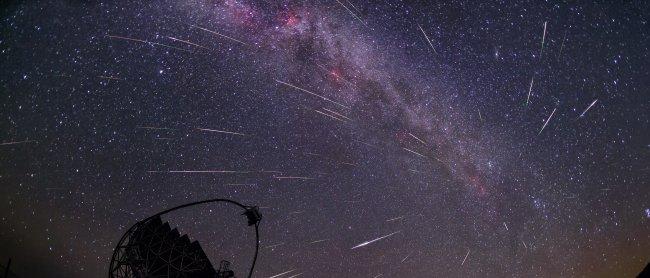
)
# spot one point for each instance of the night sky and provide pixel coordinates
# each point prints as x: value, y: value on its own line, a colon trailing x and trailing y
x: 387, y: 139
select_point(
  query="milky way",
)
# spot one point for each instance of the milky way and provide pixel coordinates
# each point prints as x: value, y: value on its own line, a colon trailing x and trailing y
x: 395, y: 139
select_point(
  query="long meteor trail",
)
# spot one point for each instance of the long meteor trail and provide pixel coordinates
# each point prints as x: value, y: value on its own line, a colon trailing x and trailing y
x: 413, y: 152
x: 590, y: 105
x: 465, y: 258
x: 219, y: 34
x: 352, y: 13
x: 428, y: 40
x: 375, y: 240
x: 283, y: 273
x: 311, y: 93
x: 221, y: 131
x: 543, y: 38
x: 274, y: 245
x: 204, y: 171
x: 419, y: 140
x: 108, y: 77
x: 188, y: 42
x: 328, y: 115
x: 293, y: 178
x: 396, y: 218
x: 337, y: 114
x: 547, y: 120
x: 16, y: 142
x: 407, y: 256
x: 146, y: 42
x: 530, y: 89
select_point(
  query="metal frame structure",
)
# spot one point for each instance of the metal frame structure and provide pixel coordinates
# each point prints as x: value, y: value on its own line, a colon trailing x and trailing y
x: 151, y: 249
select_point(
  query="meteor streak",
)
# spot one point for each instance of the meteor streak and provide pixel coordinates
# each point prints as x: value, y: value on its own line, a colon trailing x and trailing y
x: 407, y: 256
x: 204, y: 171
x: 270, y: 171
x: 547, y: 120
x: 188, y: 42
x: 530, y: 89
x: 562, y: 46
x: 414, y: 152
x: 352, y: 13
x: 416, y: 138
x: 274, y: 245
x: 465, y: 258
x: 146, y: 42
x: 221, y: 131
x: 311, y: 93
x: 375, y: 240
x: 396, y: 218
x: 590, y: 105
x: 543, y: 37
x: 108, y: 77
x: 293, y: 178
x: 352, y: 5
x: 218, y: 34
x: 337, y: 114
x: 428, y: 40
x: 16, y: 142
x: 328, y: 115
x: 283, y: 273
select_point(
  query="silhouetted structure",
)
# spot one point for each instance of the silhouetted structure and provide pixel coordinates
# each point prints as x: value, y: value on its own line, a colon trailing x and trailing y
x: 645, y: 273
x: 150, y: 248
x: 6, y: 271
x: 224, y: 270
x: 153, y: 249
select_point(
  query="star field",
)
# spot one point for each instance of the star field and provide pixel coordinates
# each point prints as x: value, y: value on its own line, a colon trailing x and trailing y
x: 379, y: 139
